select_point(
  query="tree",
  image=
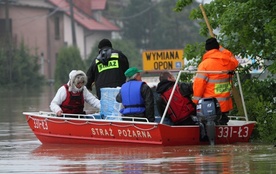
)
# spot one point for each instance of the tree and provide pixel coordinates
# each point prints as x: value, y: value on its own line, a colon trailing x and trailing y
x: 245, y: 27
x: 69, y: 59
x: 154, y: 25
x: 19, y: 68
x: 141, y: 21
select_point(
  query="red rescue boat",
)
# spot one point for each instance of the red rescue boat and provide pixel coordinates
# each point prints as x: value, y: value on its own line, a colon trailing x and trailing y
x: 80, y: 129
x: 61, y: 130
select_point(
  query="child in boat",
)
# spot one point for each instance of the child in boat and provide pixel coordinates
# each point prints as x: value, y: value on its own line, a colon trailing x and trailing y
x: 136, y: 96
x: 70, y: 97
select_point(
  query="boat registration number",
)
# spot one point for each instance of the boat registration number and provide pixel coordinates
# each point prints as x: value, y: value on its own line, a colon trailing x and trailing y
x: 228, y: 132
x: 40, y: 124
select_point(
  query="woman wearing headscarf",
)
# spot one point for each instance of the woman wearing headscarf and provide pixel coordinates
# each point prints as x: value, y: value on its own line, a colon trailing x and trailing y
x: 70, y: 97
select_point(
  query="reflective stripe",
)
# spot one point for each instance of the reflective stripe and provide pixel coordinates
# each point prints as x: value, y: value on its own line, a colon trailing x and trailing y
x: 218, y: 98
x: 223, y: 98
x: 114, y: 55
x: 219, y: 80
x: 196, y: 98
x: 112, y: 64
x: 202, y: 76
x: 222, y: 88
x: 221, y: 49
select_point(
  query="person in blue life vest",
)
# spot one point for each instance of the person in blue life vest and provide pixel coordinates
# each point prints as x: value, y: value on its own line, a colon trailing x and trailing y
x: 70, y: 97
x: 136, y: 97
x: 107, y: 69
x: 181, y: 106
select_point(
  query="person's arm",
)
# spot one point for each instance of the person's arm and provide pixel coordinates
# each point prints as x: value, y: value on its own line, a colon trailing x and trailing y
x: 147, y: 95
x: 233, y: 59
x: 186, y: 89
x: 91, y: 99
x: 199, y: 84
x: 119, y: 97
x: 90, y: 75
x: 57, y: 101
x: 160, y: 104
x: 124, y: 61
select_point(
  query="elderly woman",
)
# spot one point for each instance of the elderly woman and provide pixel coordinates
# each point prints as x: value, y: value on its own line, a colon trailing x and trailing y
x: 71, y: 96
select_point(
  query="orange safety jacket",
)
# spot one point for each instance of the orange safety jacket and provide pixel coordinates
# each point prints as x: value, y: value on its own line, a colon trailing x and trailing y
x: 215, y: 85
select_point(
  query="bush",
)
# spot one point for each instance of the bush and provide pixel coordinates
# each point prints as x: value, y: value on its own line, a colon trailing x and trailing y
x: 19, y: 68
x: 69, y: 59
x: 261, y: 107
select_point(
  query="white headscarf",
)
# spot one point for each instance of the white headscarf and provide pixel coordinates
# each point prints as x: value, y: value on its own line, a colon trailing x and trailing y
x: 76, y: 76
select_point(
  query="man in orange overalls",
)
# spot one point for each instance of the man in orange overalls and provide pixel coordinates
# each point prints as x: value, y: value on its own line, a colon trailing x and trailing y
x: 206, y: 85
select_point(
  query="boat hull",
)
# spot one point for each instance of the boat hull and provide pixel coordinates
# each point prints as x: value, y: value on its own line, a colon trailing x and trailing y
x: 59, y: 130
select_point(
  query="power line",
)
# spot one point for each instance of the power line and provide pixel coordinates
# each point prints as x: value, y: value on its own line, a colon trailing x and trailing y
x: 135, y: 15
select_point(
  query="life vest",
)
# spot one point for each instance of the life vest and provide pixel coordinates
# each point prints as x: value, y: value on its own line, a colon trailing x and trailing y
x: 74, y: 102
x: 131, y: 98
x: 180, y: 107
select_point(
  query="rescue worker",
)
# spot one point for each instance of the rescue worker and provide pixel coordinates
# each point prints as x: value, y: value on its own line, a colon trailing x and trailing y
x: 70, y: 97
x: 219, y: 86
x: 107, y: 69
x: 136, y: 96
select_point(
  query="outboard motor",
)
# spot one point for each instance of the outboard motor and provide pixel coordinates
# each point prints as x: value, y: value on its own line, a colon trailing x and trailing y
x: 207, y: 111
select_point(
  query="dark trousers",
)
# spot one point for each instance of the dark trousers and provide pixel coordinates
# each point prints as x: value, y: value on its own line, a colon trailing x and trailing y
x: 222, y: 119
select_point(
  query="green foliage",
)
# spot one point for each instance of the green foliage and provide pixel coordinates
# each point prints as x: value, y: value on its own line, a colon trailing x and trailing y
x: 69, y: 59
x: 247, y: 28
x: 261, y: 106
x: 191, y: 54
x: 253, y: 37
x: 19, y: 68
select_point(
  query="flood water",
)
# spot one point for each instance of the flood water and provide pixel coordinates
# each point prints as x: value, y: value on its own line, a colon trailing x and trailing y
x: 21, y: 152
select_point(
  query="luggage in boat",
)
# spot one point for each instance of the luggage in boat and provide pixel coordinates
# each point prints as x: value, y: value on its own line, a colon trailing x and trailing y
x: 110, y: 108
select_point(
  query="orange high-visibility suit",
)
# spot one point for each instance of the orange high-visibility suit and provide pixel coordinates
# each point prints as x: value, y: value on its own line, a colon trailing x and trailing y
x: 215, y: 85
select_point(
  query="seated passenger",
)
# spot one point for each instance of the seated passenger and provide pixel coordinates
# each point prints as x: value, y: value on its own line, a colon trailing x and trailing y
x: 136, y: 97
x: 70, y: 97
x: 181, y: 106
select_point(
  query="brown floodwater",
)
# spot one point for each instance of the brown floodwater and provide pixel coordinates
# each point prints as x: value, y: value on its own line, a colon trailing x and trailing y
x: 21, y: 152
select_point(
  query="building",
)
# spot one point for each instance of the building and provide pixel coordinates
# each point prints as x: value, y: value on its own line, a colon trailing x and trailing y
x: 45, y: 26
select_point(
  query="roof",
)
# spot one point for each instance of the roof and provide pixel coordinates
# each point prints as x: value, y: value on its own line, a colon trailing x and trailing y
x: 98, y: 4
x: 87, y: 22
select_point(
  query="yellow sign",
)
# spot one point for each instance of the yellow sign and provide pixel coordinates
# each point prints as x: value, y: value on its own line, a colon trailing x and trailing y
x: 162, y: 60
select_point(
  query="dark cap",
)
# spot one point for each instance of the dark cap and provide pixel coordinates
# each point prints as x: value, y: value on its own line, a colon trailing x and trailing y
x: 211, y: 43
x: 104, y: 43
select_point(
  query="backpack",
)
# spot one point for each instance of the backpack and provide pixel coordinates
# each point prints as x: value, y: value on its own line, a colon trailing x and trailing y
x: 180, y: 107
x: 104, y: 55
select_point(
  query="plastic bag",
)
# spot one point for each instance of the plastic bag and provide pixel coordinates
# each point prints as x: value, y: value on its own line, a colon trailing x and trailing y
x: 110, y: 108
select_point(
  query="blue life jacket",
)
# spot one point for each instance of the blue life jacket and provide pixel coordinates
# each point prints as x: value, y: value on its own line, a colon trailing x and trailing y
x: 131, y: 98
